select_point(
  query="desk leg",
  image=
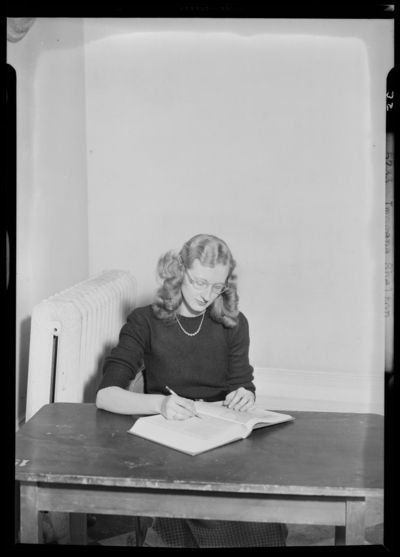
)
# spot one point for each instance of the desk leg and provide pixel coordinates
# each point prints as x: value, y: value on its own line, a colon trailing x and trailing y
x: 31, y: 530
x: 340, y: 535
x: 141, y: 527
x: 354, y: 531
x: 78, y: 528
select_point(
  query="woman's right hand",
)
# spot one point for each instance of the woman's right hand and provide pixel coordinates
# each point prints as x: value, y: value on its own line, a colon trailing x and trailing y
x: 174, y: 407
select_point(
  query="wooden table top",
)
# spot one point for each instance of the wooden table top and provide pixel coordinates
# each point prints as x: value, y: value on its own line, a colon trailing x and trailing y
x: 320, y: 453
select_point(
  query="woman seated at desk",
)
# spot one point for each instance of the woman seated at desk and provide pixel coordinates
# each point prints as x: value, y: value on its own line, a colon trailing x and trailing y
x: 194, y: 340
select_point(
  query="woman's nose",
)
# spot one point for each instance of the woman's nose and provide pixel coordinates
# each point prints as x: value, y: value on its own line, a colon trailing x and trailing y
x: 207, y: 293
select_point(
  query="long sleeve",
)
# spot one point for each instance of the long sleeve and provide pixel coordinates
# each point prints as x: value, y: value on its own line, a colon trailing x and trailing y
x: 240, y: 370
x: 124, y: 361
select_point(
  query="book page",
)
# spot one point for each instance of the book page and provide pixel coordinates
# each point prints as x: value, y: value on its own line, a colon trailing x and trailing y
x: 249, y: 419
x: 191, y: 436
x: 206, y: 428
x: 217, y: 426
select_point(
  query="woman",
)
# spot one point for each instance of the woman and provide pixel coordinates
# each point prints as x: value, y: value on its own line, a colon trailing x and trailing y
x: 194, y: 340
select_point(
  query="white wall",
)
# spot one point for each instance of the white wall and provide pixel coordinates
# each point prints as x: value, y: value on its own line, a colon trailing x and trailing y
x: 52, y: 233
x: 270, y: 134
x: 133, y: 136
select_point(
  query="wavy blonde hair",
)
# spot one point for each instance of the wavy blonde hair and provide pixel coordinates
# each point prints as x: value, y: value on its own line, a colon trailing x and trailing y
x: 210, y: 251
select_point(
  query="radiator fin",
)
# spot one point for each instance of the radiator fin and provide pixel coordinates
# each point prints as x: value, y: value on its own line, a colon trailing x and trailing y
x: 86, y: 319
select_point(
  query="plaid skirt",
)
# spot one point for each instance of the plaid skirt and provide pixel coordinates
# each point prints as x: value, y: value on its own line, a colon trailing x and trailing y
x: 179, y: 532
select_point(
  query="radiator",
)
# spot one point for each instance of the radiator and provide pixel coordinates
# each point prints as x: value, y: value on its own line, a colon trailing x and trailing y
x: 71, y: 334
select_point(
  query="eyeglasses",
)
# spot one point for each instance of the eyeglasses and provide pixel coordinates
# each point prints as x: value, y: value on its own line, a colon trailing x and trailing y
x: 200, y: 284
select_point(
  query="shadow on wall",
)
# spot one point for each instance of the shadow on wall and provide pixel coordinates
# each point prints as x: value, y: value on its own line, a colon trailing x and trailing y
x: 93, y: 382
x: 146, y: 300
x: 22, y: 379
x: 126, y: 310
x: 89, y: 392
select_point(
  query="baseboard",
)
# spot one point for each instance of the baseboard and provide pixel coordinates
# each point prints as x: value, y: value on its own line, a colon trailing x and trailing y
x: 319, y: 391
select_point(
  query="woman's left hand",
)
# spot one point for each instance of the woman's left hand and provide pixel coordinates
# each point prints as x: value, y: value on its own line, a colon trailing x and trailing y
x: 241, y: 399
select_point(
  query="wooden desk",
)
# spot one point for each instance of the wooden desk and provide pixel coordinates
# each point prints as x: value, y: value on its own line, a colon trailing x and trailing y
x: 316, y: 470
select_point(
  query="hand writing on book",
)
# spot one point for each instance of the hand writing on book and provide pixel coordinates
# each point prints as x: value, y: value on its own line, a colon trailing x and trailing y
x: 241, y: 399
x: 175, y: 407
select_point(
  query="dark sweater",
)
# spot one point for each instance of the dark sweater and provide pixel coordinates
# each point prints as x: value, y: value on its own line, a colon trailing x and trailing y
x: 206, y: 366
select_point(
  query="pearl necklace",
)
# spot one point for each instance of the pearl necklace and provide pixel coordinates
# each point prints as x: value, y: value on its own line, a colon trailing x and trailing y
x: 191, y: 334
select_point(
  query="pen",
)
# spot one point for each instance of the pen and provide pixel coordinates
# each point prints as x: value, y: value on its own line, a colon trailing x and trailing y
x: 173, y: 393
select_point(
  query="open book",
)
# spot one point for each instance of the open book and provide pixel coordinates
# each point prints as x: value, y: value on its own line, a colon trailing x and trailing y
x: 218, y: 426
